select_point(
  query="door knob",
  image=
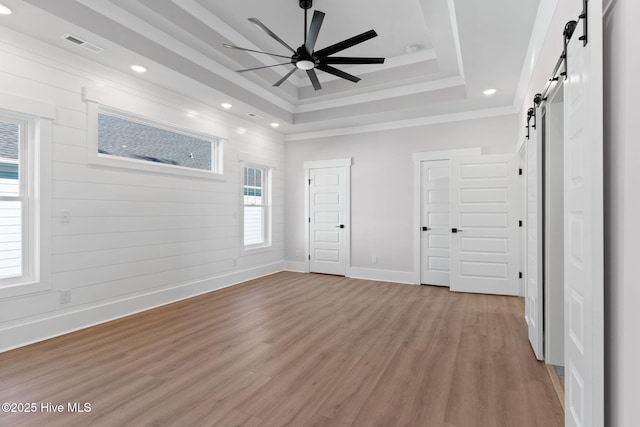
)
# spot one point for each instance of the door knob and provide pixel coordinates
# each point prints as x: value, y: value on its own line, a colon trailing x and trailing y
x: 425, y: 229
x: 456, y: 230
x: 340, y: 226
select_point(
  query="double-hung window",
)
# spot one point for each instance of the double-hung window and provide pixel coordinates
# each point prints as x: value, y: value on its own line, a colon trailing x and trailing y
x: 26, y: 127
x: 14, y: 201
x: 256, y: 230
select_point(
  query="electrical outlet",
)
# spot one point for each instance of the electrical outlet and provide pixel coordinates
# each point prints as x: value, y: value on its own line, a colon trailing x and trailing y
x: 65, y: 296
x: 374, y: 259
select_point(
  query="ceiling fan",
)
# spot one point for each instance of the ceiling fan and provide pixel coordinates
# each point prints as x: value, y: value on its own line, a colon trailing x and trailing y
x: 306, y: 58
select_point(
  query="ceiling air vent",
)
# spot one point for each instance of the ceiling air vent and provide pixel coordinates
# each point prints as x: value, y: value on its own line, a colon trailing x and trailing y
x: 255, y: 116
x: 82, y: 43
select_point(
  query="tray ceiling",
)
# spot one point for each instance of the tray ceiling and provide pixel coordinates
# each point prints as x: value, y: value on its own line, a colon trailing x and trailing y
x: 441, y: 54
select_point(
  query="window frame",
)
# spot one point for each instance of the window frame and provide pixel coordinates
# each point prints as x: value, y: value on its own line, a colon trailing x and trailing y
x: 35, y: 119
x: 97, y: 158
x: 266, y: 206
x: 213, y: 142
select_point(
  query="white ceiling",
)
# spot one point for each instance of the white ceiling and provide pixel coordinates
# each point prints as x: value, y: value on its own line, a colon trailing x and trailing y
x: 461, y: 47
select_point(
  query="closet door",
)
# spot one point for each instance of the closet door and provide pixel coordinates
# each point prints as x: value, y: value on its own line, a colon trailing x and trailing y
x: 583, y: 227
x: 484, y: 219
x: 534, y: 302
x: 328, y: 207
x: 434, y: 263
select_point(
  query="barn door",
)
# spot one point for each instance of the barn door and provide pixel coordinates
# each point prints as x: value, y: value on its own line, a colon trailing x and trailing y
x: 534, y: 301
x: 484, y: 224
x: 583, y: 231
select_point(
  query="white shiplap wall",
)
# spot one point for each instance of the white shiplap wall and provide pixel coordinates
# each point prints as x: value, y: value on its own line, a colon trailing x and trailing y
x: 136, y: 239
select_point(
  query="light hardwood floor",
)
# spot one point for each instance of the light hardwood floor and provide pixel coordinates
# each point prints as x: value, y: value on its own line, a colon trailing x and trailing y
x: 298, y: 350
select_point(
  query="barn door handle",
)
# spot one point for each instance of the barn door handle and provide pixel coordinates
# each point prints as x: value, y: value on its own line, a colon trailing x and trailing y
x: 340, y: 226
x: 456, y: 230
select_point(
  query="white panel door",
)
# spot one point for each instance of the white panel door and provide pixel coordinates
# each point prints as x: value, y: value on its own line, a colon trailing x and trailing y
x: 327, y: 209
x: 434, y: 263
x: 583, y: 227
x: 534, y: 302
x: 484, y: 219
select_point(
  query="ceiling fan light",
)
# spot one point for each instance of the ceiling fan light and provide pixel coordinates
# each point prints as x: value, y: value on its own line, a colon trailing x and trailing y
x: 305, y: 64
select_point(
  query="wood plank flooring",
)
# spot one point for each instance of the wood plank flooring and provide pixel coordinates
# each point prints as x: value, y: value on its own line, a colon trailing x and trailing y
x: 296, y: 350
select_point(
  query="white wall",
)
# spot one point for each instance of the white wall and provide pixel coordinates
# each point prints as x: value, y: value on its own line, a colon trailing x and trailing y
x: 382, y: 185
x: 622, y: 210
x: 136, y: 239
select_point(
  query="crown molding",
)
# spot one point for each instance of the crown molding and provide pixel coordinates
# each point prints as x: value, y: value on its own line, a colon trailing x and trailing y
x: 401, y: 124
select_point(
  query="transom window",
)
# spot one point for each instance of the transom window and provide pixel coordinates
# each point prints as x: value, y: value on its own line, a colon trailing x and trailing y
x: 147, y: 142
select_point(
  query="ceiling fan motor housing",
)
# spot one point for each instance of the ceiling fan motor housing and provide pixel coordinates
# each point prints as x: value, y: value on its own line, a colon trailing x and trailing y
x: 306, y: 4
x: 303, y: 56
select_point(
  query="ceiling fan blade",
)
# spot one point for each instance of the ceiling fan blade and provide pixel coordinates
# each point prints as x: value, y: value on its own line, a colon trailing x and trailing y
x: 329, y: 69
x: 260, y: 68
x: 279, y: 82
x: 314, y: 30
x: 345, y: 44
x: 273, y: 35
x: 351, y: 60
x: 314, y: 79
x: 228, y: 46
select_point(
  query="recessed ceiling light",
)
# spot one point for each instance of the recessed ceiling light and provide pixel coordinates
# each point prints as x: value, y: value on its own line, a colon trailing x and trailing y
x: 241, y: 131
x: 489, y: 92
x: 275, y: 125
x: 412, y: 48
x: 226, y: 105
x: 138, y: 68
x: 4, y: 10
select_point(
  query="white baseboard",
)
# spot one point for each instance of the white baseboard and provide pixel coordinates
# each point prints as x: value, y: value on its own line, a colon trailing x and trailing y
x: 297, y: 266
x: 362, y: 273
x: 83, y: 317
x: 382, y: 275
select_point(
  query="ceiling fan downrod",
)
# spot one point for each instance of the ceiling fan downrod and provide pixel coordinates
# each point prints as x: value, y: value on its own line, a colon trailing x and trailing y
x: 306, y: 5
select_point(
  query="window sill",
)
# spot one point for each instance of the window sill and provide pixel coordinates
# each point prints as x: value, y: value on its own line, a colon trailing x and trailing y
x: 251, y: 250
x: 139, y: 165
x: 22, y: 289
